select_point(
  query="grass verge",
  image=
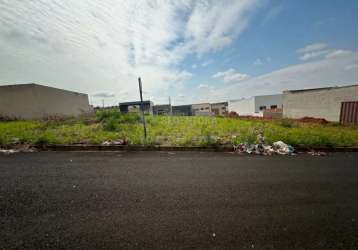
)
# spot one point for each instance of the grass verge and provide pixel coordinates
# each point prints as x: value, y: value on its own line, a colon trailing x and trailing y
x: 175, y: 131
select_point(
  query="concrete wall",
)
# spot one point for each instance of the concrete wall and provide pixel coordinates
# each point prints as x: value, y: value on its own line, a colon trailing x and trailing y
x: 220, y: 108
x: 243, y: 106
x: 319, y: 103
x: 201, y: 109
x: 33, y: 101
x: 251, y: 106
x: 268, y: 101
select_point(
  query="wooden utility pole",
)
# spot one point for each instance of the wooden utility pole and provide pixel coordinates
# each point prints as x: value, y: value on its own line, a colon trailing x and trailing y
x: 142, y: 108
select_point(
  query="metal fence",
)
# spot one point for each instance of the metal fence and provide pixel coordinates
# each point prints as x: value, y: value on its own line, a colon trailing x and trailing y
x: 349, y: 113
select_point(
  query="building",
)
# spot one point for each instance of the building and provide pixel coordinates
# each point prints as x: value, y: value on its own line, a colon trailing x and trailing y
x: 201, y: 109
x: 164, y: 109
x: 34, y: 101
x: 326, y: 103
x: 134, y: 107
x: 255, y: 105
x: 183, y: 110
x: 220, y: 108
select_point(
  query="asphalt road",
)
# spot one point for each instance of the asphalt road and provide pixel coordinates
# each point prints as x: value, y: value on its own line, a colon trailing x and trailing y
x: 160, y: 200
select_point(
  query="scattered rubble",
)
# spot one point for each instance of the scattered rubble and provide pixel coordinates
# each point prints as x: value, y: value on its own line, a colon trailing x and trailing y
x: 8, y: 151
x: 115, y: 142
x: 317, y: 153
x: 17, y: 148
x: 261, y: 148
x: 282, y: 148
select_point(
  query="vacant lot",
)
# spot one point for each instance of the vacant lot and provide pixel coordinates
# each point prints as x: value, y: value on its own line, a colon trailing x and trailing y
x: 176, y: 130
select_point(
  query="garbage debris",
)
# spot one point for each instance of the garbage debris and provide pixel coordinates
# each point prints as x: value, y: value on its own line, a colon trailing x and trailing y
x: 8, y: 151
x: 282, y: 148
x: 15, y: 141
x: 317, y: 153
x: 17, y: 148
x: 261, y: 148
x: 116, y: 142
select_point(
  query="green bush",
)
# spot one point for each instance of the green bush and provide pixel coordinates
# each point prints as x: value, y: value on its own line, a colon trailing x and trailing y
x: 287, y: 123
x: 102, y: 115
x: 110, y: 124
x: 129, y: 118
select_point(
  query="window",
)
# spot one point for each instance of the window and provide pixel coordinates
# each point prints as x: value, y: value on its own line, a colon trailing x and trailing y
x: 262, y: 107
x: 273, y: 106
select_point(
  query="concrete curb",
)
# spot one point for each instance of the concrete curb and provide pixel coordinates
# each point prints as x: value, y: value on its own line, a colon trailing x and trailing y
x: 219, y: 148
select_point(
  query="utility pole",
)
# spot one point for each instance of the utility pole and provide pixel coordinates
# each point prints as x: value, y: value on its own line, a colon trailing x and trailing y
x: 170, y: 107
x: 102, y: 103
x: 142, y: 107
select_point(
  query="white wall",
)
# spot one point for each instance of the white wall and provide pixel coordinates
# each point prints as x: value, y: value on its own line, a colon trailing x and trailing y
x: 32, y: 101
x: 243, y: 106
x: 268, y: 101
x: 319, y: 103
x: 201, y: 109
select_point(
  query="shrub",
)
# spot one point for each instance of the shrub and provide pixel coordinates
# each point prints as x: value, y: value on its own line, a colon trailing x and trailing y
x: 129, y: 118
x: 288, y: 123
x: 107, y: 113
x: 110, y: 124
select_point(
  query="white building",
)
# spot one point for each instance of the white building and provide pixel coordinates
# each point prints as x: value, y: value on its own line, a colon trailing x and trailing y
x: 219, y: 108
x: 255, y: 105
x: 34, y: 101
x: 320, y: 102
x: 201, y: 109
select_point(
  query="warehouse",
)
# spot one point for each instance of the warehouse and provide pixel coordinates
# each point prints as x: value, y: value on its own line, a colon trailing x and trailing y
x: 163, y: 109
x: 34, y: 101
x: 219, y: 108
x: 134, y: 107
x: 255, y: 105
x: 203, y: 109
x: 331, y: 103
x: 182, y: 110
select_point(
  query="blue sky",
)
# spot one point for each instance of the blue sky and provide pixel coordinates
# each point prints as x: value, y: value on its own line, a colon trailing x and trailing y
x: 194, y: 51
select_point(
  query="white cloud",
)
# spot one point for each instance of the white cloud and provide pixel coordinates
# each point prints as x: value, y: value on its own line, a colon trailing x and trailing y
x: 206, y: 63
x: 312, y: 47
x: 262, y: 61
x: 203, y: 86
x: 258, y: 62
x: 231, y: 75
x: 341, y: 70
x: 338, y: 53
x: 91, y: 45
x: 272, y: 14
x: 104, y: 94
x: 313, y: 55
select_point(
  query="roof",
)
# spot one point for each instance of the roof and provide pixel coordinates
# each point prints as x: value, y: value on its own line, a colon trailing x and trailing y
x: 136, y: 103
x: 319, y: 89
x: 22, y: 85
x: 182, y: 106
x: 220, y: 103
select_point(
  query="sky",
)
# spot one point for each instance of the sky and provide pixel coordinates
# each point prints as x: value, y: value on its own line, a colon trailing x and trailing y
x: 191, y: 50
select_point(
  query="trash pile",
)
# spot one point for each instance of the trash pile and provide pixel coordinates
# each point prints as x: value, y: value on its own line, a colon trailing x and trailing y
x: 16, y: 146
x: 115, y: 142
x: 261, y: 148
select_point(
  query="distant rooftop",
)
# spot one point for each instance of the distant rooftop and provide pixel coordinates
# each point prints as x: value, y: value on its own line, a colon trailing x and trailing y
x: 319, y: 89
x: 136, y: 102
x: 22, y: 85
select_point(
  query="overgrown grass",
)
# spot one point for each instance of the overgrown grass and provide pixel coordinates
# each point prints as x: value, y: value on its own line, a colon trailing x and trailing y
x: 176, y: 130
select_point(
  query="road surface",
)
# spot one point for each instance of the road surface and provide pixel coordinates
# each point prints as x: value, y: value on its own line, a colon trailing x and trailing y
x: 182, y: 200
